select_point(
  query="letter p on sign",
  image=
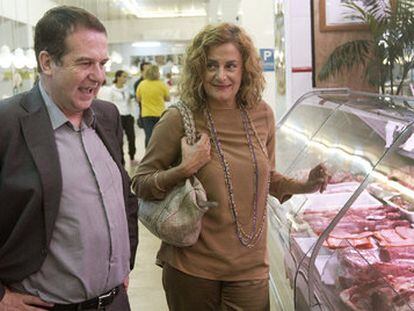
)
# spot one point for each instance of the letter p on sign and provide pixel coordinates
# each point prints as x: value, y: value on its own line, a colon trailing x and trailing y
x: 268, y: 59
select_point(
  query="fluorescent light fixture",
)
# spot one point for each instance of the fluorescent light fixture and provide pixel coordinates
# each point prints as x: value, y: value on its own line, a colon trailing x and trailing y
x: 146, y: 44
x: 165, y: 14
x: 132, y: 7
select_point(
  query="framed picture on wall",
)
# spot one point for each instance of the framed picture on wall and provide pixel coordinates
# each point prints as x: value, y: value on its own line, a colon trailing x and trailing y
x: 334, y: 15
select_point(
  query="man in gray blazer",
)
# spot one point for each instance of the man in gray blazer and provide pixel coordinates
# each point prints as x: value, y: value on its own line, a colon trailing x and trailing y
x: 68, y: 224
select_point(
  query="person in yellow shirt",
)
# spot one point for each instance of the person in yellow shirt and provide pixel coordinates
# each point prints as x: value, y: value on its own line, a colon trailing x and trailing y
x: 152, y: 93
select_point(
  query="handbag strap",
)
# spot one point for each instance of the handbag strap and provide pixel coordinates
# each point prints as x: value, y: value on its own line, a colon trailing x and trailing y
x: 188, y: 122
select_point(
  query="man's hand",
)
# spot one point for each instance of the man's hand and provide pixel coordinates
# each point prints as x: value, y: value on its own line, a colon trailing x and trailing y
x: 20, y: 302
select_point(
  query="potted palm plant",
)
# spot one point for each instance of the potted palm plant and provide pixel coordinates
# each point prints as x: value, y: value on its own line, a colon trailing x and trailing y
x: 391, y: 44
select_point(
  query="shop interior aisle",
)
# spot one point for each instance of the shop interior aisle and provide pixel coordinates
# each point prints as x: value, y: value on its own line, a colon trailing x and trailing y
x: 145, y: 286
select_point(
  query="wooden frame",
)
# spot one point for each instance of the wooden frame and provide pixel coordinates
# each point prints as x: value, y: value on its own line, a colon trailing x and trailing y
x: 330, y: 17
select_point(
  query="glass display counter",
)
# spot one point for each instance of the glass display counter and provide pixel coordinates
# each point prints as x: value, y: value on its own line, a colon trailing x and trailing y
x: 351, y: 247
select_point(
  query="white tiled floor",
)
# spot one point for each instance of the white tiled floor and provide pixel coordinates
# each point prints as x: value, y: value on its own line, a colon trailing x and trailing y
x: 145, y: 286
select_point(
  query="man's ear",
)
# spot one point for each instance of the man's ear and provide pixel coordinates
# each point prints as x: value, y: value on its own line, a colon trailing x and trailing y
x: 45, y: 62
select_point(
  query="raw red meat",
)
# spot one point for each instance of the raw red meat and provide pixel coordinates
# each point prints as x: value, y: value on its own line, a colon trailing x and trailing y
x: 390, y: 237
x: 405, y: 232
x: 334, y: 243
x: 383, y: 294
x: 391, y: 253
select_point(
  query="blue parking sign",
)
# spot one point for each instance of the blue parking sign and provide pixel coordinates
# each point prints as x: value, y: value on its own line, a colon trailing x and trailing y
x: 268, y: 59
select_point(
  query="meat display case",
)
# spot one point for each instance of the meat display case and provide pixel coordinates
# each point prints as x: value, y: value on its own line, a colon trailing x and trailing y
x: 351, y: 247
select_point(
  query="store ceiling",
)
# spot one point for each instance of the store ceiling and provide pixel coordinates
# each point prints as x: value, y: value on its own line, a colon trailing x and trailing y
x: 118, y: 9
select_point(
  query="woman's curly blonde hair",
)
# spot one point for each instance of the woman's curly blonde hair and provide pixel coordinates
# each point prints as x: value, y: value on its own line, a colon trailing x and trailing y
x: 191, y: 88
x: 152, y: 73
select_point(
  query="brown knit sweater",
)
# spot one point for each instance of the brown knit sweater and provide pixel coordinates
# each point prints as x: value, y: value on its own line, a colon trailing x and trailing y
x: 218, y: 254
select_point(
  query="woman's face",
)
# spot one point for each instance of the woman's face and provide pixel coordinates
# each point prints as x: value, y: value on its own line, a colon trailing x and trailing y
x: 223, y: 75
x: 122, y: 79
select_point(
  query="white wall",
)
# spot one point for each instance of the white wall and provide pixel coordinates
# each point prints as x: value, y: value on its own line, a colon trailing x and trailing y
x: 298, y: 49
x: 17, y: 19
x: 258, y: 21
x: 25, y: 11
x: 155, y: 29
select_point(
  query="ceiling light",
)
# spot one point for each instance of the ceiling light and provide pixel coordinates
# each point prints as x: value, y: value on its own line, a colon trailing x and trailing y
x: 132, y: 7
x: 146, y: 44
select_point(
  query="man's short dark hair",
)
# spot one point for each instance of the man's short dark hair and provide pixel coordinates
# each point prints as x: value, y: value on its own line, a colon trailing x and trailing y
x: 141, y: 66
x: 58, y: 23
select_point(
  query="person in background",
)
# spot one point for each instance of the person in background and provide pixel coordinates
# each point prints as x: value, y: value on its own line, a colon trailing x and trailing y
x: 68, y: 225
x: 152, y: 93
x: 143, y: 67
x: 168, y: 79
x: 222, y: 83
x: 119, y: 95
x: 104, y: 91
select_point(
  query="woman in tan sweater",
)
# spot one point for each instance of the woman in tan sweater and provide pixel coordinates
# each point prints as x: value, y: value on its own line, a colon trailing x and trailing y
x: 222, y: 83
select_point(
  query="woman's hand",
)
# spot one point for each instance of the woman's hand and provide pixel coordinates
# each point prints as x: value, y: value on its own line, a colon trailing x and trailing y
x: 195, y: 156
x: 317, y: 180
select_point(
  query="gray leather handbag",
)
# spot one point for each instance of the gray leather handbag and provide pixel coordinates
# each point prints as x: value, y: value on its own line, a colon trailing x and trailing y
x: 177, y: 218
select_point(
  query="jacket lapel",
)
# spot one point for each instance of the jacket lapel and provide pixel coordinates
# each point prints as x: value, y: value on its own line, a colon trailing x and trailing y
x: 39, y: 136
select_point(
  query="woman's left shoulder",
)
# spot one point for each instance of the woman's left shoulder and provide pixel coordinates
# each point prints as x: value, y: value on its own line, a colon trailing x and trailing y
x: 262, y: 108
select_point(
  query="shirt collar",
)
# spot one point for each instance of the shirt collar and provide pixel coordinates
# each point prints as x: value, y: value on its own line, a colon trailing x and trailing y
x: 58, y: 118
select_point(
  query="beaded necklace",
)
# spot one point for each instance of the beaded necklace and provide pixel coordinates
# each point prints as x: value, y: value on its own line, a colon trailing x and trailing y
x: 246, y: 239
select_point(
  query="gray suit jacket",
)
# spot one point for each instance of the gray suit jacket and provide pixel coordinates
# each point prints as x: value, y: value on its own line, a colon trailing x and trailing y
x: 31, y: 185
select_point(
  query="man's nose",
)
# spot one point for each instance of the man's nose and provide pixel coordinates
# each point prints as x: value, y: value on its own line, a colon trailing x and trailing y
x: 97, y: 73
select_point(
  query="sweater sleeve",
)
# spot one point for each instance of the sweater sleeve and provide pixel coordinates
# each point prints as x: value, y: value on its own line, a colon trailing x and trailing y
x: 157, y: 172
x: 280, y: 186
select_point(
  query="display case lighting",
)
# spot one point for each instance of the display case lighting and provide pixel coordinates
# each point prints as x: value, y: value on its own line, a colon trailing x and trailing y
x: 355, y: 157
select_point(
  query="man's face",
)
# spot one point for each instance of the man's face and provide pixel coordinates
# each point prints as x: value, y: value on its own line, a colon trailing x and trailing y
x: 145, y: 67
x: 74, y: 82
